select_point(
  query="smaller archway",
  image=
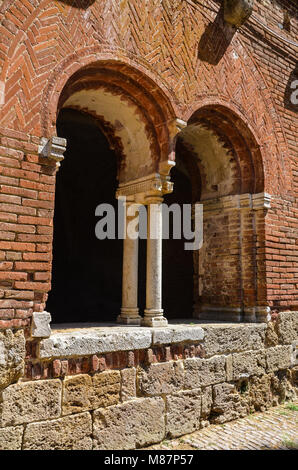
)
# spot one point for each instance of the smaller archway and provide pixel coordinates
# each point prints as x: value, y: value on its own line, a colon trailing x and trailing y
x: 226, y: 175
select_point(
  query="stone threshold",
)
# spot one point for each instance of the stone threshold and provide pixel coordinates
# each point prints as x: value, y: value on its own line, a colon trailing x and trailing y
x: 73, y: 340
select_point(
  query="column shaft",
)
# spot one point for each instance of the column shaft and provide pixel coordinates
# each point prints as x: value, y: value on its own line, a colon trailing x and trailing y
x: 129, y: 311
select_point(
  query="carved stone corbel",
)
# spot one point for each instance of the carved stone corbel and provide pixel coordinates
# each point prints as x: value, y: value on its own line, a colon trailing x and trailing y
x: 237, y: 12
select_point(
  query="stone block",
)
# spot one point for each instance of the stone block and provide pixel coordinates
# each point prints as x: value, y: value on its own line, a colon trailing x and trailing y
x: 77, y: 394
x: 279, y: 357
x: 164, y: 378
x: 68, y: 433
x: 41, y: 325
x: 134, y: 424
x: 249, y: 363
x: 227, y: 339
x: 31, y: 401
x: 11, y: 438
x: 183, y: 412
x: 128, y: 384
x: 12, y: 356
x: 203, y: 372
x: 106, y: 388
x: 83, y: 392
x: 287, y: 327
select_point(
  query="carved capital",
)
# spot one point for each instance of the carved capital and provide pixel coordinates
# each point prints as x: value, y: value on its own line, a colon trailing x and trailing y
x: 155, y: 185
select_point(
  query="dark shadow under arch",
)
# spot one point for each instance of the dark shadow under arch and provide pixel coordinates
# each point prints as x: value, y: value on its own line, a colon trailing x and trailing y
x: 87, y: 272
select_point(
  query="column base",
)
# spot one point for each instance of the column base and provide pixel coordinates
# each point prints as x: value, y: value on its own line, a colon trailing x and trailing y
x: 154, y: 318
x: 129, y: 316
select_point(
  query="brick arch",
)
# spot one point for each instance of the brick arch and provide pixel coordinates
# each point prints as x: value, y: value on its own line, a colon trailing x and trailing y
x: 236, y: 135
x: 130, y: 85
x: 233, y: 128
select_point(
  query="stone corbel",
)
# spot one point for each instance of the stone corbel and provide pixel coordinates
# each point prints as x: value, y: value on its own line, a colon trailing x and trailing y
x: 53, y: 148
x: 175, y: 126
x: 164, y: 170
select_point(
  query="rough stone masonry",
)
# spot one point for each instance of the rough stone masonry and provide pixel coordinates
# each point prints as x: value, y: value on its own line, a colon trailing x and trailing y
x: 133, y: 398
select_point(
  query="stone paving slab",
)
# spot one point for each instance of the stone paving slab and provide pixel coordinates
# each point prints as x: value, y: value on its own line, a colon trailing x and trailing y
x: 276, y: 429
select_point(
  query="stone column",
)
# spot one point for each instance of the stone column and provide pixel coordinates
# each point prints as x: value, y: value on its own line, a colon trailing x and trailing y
x: 129, y: 311
x: 153, y: 314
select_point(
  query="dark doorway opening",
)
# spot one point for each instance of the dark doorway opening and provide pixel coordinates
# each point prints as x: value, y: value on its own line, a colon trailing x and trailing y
x: 178, y: 265
x: 87, y: 272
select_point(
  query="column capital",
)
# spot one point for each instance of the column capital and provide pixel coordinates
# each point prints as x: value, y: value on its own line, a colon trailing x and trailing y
x: 156, y: 185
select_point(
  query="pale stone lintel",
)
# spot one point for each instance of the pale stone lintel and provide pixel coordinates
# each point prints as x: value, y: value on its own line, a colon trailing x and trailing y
x: 52, y: 148
x: 100, y: 340
x: 238, y: 201
x: 156, y: 184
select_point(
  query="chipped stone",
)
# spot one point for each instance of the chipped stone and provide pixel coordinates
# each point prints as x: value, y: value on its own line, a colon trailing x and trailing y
x: 12, y: 356
x: 128, y: 384
x: 249, y: 363
x: 95, y: 341
x: 279, y: 357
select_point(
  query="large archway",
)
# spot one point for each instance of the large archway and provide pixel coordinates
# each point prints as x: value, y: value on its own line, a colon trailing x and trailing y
x: 118, y: 128
x: 86, y: 275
